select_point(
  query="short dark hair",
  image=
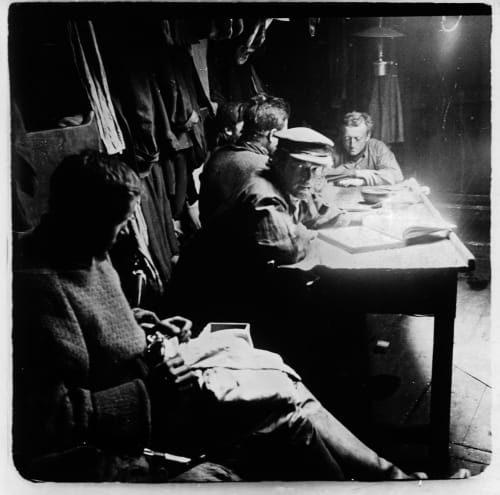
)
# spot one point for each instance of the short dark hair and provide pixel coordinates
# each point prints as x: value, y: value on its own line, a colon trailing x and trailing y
x: 355, y: 119
x: 229, y: 114
x: 264, y: 113
x: 90, y: 178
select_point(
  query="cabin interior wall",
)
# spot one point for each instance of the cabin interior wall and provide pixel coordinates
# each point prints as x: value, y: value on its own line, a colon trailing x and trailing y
x: 444, y: 80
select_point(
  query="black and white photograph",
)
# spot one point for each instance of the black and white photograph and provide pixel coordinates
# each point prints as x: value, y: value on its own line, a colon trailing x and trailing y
x: 250, y: 242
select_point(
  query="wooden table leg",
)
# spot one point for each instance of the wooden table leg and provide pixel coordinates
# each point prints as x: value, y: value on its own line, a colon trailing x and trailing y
x: 442, y: 367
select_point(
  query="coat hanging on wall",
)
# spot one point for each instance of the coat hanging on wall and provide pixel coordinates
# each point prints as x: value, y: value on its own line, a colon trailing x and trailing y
x: 89, y: 63
x: 385, y: 108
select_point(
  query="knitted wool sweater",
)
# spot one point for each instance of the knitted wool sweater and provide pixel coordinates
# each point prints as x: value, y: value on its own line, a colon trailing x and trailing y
x: 78, y: 377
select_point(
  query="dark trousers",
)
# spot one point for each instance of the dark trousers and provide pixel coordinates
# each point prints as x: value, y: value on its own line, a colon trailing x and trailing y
x: 299, y: 441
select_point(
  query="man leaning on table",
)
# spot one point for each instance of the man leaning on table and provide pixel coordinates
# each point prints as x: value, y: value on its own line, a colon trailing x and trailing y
x: 361, y: 160
x: 287, y: 198
x: 271, y: 218
x: 273, y: 214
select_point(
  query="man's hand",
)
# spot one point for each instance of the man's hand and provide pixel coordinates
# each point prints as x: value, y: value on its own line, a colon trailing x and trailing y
x: 146, y: 319
x: 193, y: 212
x: 166, y: 362
x: 350, y: 182
x: 177, y: 370
x: 305, y: 233
x: 176, y: 326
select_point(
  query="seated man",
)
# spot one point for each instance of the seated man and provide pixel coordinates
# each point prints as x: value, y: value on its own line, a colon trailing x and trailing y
x: 82, y: 407
x: 230, y: 166
x: 360, y: 159
x: 270, y: 217
x: 88, y: 397
x: 286, y: 200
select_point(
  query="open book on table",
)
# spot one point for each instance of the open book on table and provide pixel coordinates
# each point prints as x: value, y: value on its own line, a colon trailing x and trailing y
x: 385, y: 232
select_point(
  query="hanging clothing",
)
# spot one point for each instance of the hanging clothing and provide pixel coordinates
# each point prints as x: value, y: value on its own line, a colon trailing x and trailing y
x: 199, y: 53
x: 182, y: 93
x: 163, y: 242
x: 159, y: 98
x: 151, y: 145
x: 184, y: 32
x: 185, y: 100
x: 254, y: 34
x: 221, y: 29
x: 129, y: 52
x: 90, y: 66
x: 139, y: 230
x: 228, y: 80
x: 143, y: 253
x: 385, y: 108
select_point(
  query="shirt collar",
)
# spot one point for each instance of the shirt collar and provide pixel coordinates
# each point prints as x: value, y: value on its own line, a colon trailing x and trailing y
x: 358, y: 158
x: 294, y: 207
x: 251, y: 146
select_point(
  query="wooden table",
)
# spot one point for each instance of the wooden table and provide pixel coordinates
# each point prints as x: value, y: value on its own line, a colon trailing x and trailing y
x: 417, y: 279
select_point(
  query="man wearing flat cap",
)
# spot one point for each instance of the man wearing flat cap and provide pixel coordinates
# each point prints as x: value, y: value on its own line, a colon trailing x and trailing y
x: 288, y: 195
x: 272, y: 217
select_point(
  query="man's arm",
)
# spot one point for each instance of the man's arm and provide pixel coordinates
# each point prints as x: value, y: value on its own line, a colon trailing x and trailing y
x: 317, y: 214
x: 386, y: 171
x: 175, y: 326
x: 55, y: 408
x: 277, y: 236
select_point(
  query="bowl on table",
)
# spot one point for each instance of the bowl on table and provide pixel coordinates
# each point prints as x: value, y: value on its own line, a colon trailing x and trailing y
x: 373, y: 195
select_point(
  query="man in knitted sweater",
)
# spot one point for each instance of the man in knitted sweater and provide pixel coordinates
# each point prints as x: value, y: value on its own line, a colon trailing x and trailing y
x: 82, y: 390
x: 88, y: 398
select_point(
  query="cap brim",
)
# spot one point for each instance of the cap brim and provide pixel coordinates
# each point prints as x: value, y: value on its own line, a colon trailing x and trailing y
x: 324, y: 161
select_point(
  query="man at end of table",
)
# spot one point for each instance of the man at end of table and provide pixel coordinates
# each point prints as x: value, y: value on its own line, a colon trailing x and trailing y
x: 362, y: 160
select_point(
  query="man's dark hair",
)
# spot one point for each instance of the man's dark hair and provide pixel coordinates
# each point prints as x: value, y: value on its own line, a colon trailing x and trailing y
x: 264, y: 113
x: 229, y: 114
x: 90, y: 179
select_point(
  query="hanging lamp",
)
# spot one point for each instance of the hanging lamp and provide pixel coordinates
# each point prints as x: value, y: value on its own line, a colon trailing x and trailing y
x: 379, y: 32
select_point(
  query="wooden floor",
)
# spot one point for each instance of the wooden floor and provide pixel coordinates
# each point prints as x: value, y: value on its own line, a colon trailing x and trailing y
x: 409, y: 356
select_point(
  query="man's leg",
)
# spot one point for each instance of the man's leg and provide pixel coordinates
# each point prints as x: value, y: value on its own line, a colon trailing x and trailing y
x: 296, y: 440
x: 355, y: 458
x: 262, y: 440
x: 295, y: 448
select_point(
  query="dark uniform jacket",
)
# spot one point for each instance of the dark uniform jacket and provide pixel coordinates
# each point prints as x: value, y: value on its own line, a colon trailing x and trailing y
x: 225, y: 173
x: 226, y: 263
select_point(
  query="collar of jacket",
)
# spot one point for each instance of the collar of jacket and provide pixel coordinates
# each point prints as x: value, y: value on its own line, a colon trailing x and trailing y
x: 250, y: 146
x: 290, y: 200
